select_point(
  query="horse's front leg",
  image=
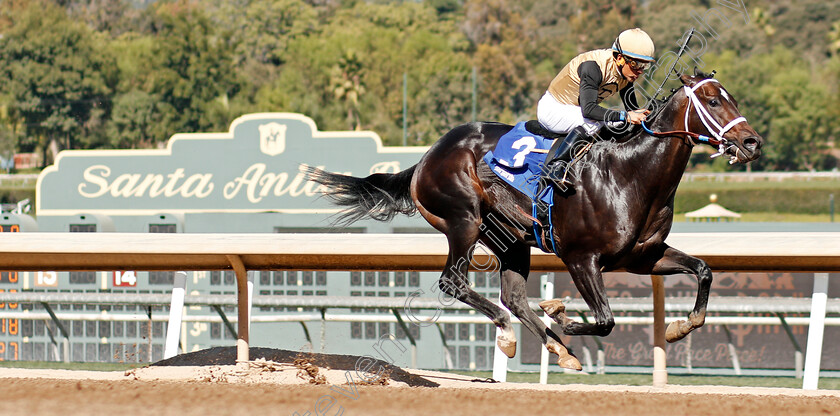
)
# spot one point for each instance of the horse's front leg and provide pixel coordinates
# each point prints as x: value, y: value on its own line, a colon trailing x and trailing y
x: 586, y: 273
x: 674, y: 261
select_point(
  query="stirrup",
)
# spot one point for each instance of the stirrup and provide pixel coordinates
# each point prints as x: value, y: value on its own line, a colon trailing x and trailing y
x: 558, y: 173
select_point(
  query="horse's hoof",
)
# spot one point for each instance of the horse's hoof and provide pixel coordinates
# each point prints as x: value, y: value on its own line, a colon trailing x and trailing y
x: 565, y: 359
x: 569, y: 362
x: 553, y: 307
x: 507, y: 346
x: 674, y: 332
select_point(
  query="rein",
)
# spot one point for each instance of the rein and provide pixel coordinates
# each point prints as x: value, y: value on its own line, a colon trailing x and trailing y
x: 707, y: 120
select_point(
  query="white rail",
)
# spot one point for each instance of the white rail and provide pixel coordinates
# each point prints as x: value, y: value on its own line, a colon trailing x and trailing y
x: 803, y: 252
x: 761, y: 176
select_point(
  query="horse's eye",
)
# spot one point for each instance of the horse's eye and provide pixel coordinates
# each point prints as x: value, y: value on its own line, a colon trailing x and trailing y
x: 714, y: 102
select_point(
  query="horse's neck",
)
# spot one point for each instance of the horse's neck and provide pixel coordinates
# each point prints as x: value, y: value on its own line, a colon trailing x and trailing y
x: 660, y: 161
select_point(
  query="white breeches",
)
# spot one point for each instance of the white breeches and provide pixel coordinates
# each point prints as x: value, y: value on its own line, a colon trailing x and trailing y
x: 563, y: 118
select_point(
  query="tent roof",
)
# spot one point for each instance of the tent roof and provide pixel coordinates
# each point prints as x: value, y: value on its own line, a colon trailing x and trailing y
x: 712, y: 211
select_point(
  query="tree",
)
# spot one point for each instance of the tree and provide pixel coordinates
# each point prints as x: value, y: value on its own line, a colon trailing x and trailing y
x: 346, y: 84
x: 132, y: 121
x: 499, y: 29
x: 787, y: 102
x: 113, y: 17
x: 58, y: 75
x: 191, y: 72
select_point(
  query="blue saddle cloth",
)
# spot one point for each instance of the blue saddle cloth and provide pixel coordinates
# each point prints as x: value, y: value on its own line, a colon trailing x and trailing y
x: 514, y: 161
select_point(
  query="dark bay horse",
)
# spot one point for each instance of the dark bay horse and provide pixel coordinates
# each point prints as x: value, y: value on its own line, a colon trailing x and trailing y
x: 617, y: 217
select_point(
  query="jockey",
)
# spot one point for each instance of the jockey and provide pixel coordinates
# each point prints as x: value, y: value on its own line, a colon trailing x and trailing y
x: 570, y: 105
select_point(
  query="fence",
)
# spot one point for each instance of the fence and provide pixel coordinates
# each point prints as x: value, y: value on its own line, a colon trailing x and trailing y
x: 781, y: 307
x: 812, y: 252
x: 761, y: 176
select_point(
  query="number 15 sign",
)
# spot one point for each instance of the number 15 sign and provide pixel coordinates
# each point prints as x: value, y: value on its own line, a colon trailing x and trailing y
x: 125, y: 278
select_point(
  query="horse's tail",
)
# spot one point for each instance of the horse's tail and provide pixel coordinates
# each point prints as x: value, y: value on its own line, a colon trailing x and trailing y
x: 380, y: 196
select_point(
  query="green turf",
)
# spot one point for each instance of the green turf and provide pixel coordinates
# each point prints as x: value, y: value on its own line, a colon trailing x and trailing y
x: 646, y: 379
x: 759, y: 185
x: 776, y: 217
x: 50, y: 365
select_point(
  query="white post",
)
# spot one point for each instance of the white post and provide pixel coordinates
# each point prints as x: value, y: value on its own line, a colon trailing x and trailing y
x: 797, y: 363
x: 660, y: 372
x: 548, y: 294
x: 816, y: 327
x: 176, y: 309
x: 251, y: 300
x: 499, y: 361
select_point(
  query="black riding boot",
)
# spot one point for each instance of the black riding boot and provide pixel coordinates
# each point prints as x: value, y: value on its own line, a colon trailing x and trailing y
x: 560, y: 155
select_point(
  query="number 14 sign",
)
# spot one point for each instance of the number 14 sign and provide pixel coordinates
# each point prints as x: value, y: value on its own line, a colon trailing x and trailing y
x: 125, y: 278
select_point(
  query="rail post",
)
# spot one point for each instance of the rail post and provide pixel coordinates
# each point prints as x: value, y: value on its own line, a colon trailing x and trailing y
x: 816, y: 329
x: 500, y: 360
x: 660, y: 373
x: 243, y: 310
x: 548, y: 294
x: 176, y: 309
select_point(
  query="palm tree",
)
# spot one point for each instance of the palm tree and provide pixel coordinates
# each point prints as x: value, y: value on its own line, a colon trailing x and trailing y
x: 346, y: 83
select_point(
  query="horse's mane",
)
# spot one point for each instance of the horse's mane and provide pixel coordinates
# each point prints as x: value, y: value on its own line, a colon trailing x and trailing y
x: 660, y: 104
x: 618, y: 148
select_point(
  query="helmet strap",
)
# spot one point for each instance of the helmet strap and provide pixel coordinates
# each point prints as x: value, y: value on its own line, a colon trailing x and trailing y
x: 620, y: 56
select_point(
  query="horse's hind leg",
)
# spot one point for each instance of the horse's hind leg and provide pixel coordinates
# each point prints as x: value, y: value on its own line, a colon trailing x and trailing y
x: 514, y: 271
x: 447, y: 192
x: 454, y: 282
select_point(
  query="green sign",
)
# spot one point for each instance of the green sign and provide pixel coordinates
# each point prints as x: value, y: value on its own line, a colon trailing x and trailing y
x: 255, y: 167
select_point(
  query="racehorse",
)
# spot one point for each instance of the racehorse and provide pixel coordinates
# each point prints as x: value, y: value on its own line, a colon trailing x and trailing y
x: 617, y: 217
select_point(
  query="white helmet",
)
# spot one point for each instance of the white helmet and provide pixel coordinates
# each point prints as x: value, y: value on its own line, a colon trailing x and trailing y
x: 634, y: 43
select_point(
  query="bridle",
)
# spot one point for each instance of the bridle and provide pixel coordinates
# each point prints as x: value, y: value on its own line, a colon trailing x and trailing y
x: 708, y: 121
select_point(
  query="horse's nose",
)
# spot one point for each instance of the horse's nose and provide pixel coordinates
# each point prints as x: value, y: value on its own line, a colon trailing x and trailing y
x: 752, y: 143
x: 752, y: 147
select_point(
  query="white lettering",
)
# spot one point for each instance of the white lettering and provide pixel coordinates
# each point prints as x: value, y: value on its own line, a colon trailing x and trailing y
x: 254, y: 182
x: 91, y: 177
x: 385, y: 167
x: 232, y: 188
x: 170, y: 189
x: 155, y: 181
x: 294, y: 189
x: 126, y: 185
x: 202, y: 189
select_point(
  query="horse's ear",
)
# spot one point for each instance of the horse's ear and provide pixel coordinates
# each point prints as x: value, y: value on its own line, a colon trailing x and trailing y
x: 697, y: 72
x: 687, y: 80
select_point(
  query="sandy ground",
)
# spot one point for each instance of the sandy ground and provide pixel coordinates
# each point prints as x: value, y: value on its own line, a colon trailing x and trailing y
x: 269, y: 387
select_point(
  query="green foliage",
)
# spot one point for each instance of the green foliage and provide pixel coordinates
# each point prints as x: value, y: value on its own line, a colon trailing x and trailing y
x: 13, y: 195
x: 132, y: 121
x: 194, y: 71
x: 57, y: 74
x: 780, y: 197
x: 787, y: 103
x: 84, y: 74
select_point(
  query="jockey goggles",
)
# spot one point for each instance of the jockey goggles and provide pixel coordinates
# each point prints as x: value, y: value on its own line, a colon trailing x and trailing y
x: 636, y: 65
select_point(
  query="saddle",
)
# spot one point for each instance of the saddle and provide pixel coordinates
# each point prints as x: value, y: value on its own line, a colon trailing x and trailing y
x: 519, y: 160
x: 542, y: 195
x: 534, y: 127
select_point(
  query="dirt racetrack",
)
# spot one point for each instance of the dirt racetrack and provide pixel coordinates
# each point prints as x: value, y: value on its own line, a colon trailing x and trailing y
x: 283, y: 388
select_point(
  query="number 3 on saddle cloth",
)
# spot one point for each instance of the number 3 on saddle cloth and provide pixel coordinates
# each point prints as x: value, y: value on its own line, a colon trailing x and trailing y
x: 519, y: 159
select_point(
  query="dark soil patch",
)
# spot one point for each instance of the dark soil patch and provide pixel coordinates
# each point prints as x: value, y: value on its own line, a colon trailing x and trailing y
x: 227, y: 356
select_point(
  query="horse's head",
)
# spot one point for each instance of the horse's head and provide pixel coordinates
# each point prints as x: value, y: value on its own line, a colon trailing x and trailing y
x: 710, y: 108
